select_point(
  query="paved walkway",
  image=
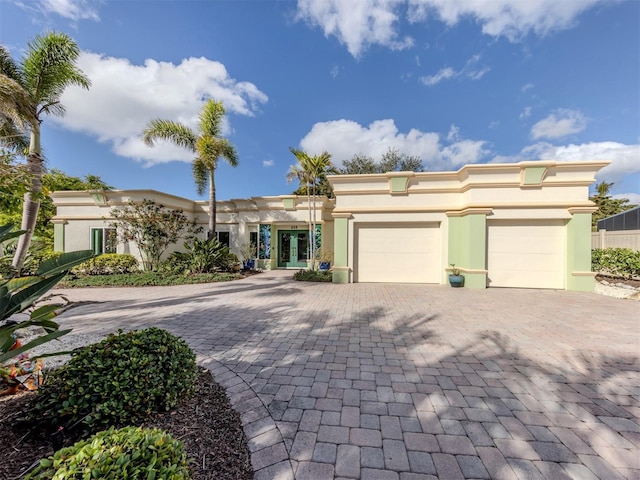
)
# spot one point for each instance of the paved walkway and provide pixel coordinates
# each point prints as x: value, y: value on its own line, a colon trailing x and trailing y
x: 376, y: 381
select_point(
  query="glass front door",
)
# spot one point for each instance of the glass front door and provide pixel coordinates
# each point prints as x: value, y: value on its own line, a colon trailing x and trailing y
x: 293, y: 247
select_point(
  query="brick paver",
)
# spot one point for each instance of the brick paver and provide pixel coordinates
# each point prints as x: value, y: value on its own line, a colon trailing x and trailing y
x: 377, y: 381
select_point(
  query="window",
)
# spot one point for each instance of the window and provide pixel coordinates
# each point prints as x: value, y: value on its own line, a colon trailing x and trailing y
x: 103, y: 240
x: 253, y: 240
x: 264, y: 247
x: 223, y: 238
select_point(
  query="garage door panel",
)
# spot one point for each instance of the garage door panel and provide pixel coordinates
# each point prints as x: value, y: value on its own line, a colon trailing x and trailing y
x: 526, y: 254
x: 398, y: 254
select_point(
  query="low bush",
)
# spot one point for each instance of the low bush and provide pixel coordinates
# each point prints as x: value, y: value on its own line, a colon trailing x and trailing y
x: 118, y: 381
x: 116, y: 454
x: 201, y: 256
x: 145, y: 279
x: 312, y: 276
x: 617, y: 262
x: 108, y: 264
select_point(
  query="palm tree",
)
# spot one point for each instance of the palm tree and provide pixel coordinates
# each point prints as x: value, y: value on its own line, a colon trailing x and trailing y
x: 311, y: 170
x: 30, y: 90
x: 206, y: 144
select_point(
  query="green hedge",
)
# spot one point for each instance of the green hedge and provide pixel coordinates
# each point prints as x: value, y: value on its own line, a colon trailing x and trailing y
x: 312, y: 276
x: 617, y: 262
x: 108, y: 264
x: 117, y: 454
x: 118, y: 381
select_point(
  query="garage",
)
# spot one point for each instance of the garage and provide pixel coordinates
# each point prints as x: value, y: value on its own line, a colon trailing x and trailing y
x: 398, y: 253
x: 526, y: 253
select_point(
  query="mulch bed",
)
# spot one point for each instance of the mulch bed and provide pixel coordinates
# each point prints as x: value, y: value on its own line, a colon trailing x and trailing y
x: 207, y: 425
x: 632, y: 282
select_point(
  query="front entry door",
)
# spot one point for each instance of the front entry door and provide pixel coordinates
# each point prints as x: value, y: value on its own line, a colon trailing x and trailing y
x: 292, y: 248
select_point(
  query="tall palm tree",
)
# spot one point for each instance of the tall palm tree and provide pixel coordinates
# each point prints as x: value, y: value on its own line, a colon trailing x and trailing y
x: 206, y: 144
x: 311, y: 170
x: 30, y: 90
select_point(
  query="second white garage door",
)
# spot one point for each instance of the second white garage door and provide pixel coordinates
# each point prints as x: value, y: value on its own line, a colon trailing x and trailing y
x: 407, y: 253
x: 526, y: 254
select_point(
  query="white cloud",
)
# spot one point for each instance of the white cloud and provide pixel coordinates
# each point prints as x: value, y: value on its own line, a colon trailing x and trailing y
x: 123, y: 98
x: 471, y: 69
x: 526, y: 113
x: 335, y: 70
x: 508, y: 18
x: 72, y: 9
x: 634, y: 198
x: 268, y: 163
x: 624, y: 158
x: 356, y: 23
x: 527, y: 87
x: 559, y: 124
x: 345, y: 138
x: 443, y: 74
x: 454, y: 133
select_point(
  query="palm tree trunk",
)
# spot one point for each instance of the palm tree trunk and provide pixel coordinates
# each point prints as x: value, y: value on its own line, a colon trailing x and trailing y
x: 313, y: 244
x: 310, y: 224
x: 212, y: 206
x: 31, y: 199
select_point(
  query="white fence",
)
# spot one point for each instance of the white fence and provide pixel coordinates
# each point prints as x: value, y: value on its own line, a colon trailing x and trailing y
x: 618, y: 239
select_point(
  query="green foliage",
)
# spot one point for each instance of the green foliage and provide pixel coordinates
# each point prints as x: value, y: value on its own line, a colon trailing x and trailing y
x: 18, y: 178
x: 108, y: 264
x: 312, y: 276
x: 607, y: 205
x: 391, y: 161
x: 21, y: 294
x: 118, y: 381
x: 617, y: 262
x: 152, y: 227
x: 146, y: 279
x: 131, y: 452
x: 201, y: 256
x: 206, y: 144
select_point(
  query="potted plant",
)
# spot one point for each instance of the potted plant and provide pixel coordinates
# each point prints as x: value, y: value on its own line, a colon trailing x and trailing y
x: 248, y: 252
x: 455, y: 278
x: 324, y: 257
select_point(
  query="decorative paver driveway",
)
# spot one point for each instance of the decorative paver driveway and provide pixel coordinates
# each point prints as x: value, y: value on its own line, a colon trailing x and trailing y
x: 378, y: 381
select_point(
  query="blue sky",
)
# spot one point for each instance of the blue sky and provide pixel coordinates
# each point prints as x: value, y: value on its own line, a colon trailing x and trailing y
x: 454, y: 82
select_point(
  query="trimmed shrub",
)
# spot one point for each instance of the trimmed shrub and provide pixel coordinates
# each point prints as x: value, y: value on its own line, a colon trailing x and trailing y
x: 108, y: 264
x: 118, y: 381
x: 618, y: 262
x: 116, y: 454
x: 312, y: 276
x: 201, y: 256
x: 145, y: 279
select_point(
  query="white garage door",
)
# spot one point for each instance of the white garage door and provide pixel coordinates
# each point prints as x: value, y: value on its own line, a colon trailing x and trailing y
x: 407, y: 253
x: 527, y: 254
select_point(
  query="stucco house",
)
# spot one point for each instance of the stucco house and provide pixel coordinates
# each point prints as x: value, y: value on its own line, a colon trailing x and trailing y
x: 524, y: 225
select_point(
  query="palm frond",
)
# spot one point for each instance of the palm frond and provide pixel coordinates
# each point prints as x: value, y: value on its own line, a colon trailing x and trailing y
x: 211, y: 117
x: 174, y: 132
x: 200, y: 174
x: 49, y: 67
x: 8, y: 66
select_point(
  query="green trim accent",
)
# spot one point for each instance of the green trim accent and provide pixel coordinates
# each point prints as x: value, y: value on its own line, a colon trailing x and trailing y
x: 475, y: 280
x: 99, y: 198
x: 579, y: 253
x: 467, y: 244
x: 340, y: 250
x: 398, y: 184
x: 58, y: 237
x: 289, y: 203
x: 533, y: 175
x: 340, y: 276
